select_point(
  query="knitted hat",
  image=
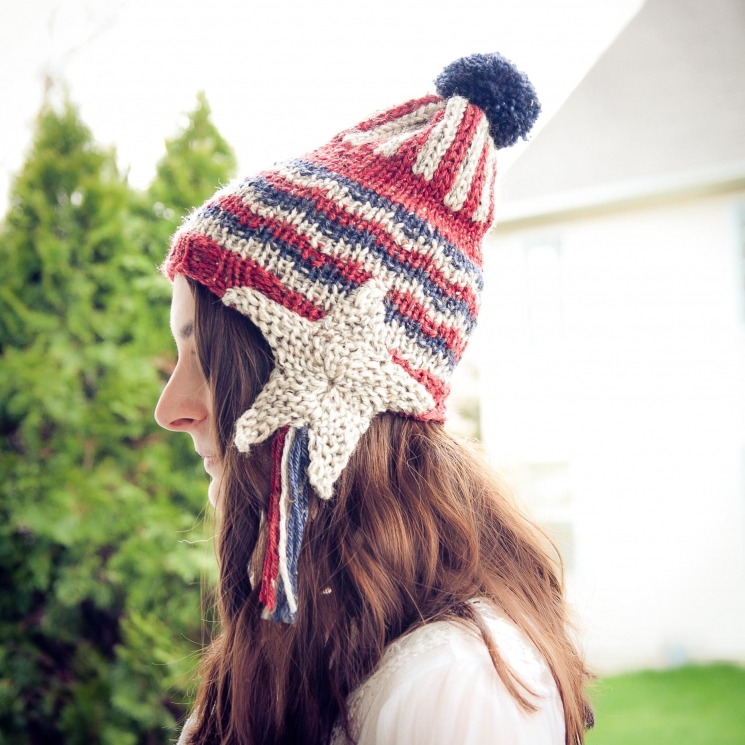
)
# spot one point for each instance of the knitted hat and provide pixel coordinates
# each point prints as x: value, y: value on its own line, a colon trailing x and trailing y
x: 361, y: 265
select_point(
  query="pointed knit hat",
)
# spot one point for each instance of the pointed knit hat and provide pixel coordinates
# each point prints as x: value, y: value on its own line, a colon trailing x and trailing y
x: 361, y: 265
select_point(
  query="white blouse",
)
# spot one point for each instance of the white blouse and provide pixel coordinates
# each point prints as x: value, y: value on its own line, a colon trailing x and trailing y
x: 438, y: 686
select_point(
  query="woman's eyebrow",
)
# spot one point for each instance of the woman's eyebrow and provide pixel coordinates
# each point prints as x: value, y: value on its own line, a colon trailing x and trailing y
x: 186, y: 330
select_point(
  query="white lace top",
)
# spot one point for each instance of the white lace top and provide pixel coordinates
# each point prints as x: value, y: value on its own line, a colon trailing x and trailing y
x: 438, y: 686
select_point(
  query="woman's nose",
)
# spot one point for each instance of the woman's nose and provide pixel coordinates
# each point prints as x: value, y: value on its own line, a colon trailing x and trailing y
x: 183, y: 403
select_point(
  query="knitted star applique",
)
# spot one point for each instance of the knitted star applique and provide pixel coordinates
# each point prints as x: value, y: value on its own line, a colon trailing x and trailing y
x: 332, y: 376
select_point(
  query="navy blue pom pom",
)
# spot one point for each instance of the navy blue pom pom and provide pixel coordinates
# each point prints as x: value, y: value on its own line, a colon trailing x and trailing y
x: 499, y: 89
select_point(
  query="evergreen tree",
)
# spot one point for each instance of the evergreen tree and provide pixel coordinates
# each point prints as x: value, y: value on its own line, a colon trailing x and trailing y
x: 99, y: 573
x: 196, y: 162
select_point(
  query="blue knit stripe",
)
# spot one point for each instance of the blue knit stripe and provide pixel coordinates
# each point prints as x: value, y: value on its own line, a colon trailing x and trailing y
x: 299, y: 461
x: 297, y: 476
x: 434, y: 345
x: 282, y: 612
x: 413, y: 227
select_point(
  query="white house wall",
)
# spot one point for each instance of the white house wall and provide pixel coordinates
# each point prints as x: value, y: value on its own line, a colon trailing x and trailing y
x: 612, y: 366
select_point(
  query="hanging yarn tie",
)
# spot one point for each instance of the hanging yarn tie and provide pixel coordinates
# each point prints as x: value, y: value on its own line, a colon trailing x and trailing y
x: 293, y: 517
x: 286, y: 519
x: 268, y: 594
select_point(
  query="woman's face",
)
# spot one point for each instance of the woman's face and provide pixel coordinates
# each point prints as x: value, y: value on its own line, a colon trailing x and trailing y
x: 186, y: 402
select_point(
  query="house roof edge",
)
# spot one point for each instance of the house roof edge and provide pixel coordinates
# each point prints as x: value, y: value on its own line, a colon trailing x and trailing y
x: 624, y: 194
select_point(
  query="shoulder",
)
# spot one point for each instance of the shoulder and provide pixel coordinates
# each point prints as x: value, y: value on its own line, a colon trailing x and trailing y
x: 438, y: 685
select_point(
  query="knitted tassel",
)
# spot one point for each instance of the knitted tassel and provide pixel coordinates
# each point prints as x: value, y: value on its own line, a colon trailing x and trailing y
x: 292, y: 525
x: 268, y: 593
x: 288, y: 514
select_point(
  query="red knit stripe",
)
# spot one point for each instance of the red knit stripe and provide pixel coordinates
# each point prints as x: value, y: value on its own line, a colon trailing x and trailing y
x: 395, y: 113
x: 414, y: 259
x: 436, y: 387
x: 268, y: 595
x: 409, y: 307
x: 447, y: 170
x: 202, y: 259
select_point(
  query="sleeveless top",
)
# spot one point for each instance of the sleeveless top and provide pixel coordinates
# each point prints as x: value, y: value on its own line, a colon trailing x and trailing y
x: 437, y: 686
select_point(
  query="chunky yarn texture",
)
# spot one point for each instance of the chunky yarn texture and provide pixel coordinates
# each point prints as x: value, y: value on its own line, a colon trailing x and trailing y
x: 361, y: 264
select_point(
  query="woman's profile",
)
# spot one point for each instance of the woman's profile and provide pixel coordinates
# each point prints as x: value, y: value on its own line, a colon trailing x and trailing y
x: 376, y: 583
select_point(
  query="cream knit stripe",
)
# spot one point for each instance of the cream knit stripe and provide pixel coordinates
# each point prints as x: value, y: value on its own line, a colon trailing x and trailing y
x: 284, y: 511
x: 411, y: 121
x: 461, y: 187
x: 389, y: 148
x: 318, y: 291
x: 325, y: 295
x: 440, y: 139
x: 482, y: 212
x: 339, y: 194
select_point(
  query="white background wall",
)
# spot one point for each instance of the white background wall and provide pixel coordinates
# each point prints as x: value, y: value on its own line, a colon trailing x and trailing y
x: 612, y: 366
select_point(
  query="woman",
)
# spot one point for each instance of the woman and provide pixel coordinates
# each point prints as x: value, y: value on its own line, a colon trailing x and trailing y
x: 376, y: 583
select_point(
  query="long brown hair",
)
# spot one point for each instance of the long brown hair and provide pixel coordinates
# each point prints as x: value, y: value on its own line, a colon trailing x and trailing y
x: 419, y: 526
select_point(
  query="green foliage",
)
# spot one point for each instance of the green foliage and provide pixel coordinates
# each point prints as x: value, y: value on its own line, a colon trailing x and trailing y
x: 694, y: 705
x: 197, y: 161
x: 100, y: 616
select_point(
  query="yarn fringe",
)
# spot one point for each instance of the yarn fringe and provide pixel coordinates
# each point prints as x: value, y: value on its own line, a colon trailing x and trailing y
x: 286, y: 520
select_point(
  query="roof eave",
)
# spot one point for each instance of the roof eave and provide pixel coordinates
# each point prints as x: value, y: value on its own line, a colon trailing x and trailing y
x: 620, y: 195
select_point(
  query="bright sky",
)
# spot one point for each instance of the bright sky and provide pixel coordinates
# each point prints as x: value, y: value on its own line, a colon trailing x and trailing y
x: 282, y: 77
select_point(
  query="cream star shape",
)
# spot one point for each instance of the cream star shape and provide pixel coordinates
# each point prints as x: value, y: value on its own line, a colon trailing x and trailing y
x: 332, y: 376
